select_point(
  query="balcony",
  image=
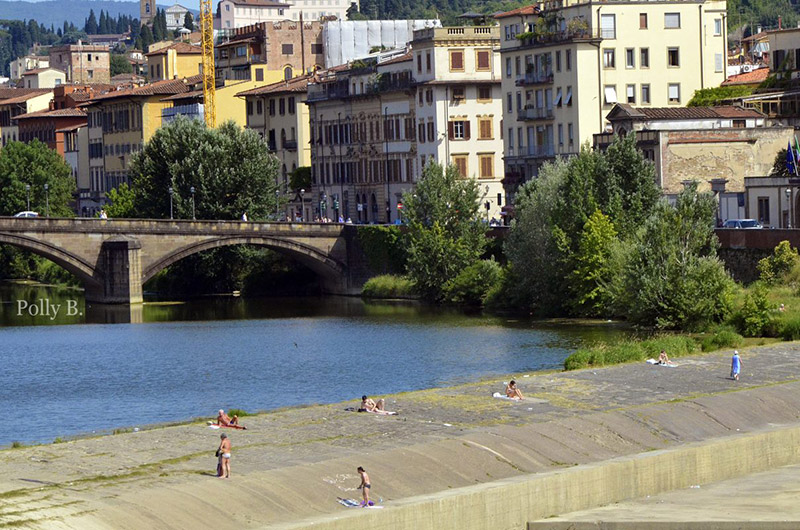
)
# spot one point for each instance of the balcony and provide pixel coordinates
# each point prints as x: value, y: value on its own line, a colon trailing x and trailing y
x: 531, y: 38
x: 530, y: 114
x: 536, y: 151
x: 535, y: 78
x: 290, y: 145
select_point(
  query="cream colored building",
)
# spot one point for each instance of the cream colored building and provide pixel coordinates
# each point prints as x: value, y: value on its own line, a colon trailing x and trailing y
x: 566, y: 63
x: 24, y: 101
x: 377, y: 123
x: 280, y: 116
x: 19, y: 66
x: 232, y: 14
x: 43, y: 78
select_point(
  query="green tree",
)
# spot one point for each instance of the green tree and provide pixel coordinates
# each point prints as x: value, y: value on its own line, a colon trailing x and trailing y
x: 445, y: 234
x: 592, y: 273
x: 230, y: 168
x: 119, y: 65
x: 90, y: 27
x: 300, y: 179
x: 122, y: 201
x: 671, y: 277
x: 188, y: 21
x: 779, y: 168
x: 775, y: 267
x: 708, y: 97
x: 35, y: 164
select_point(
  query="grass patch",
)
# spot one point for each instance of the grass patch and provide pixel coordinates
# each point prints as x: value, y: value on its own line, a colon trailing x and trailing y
x: 630, y: 351
x: 239, y: 412
x: 389, y: 286
x: 17, y: 445
x: 724, y: 337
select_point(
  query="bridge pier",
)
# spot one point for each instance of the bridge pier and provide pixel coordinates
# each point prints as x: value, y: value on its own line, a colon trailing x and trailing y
x: 120, y: 264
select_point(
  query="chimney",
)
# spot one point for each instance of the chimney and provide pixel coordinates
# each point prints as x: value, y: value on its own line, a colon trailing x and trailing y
x: 758, y: 29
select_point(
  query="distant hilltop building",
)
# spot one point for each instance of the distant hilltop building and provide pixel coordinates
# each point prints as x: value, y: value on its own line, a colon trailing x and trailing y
x: 233, y: 14
x: 175, y: 16
x: 147, y: 11
x: 83, y: 63
x: 19, y: 66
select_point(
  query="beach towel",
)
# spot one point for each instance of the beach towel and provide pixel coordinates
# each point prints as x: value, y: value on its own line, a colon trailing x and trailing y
x: 668, y: 365
x: 352, y: 503
x: 498, y: 395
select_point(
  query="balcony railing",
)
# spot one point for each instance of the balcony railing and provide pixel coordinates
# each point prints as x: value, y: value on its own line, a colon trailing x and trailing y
x: 291, y: 145
x: 535, y: 78
x: 530, y: 113
x: 537, y: 151
x: 566, y: 35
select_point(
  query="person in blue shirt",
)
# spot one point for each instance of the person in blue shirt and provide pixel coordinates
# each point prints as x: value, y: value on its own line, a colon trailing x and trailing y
x: 736, y: 365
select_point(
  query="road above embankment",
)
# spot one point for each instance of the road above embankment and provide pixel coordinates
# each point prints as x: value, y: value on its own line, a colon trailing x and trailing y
x: 453, y: 457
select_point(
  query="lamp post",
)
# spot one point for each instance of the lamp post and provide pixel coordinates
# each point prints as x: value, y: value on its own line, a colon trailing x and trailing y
x: 341, y: 164
x: 47, y: 200
x: 789, y: 198
x: 170, y: 190
x: 302, y: 205
x: 386, y: 151
x: 192, y: 192
x: 28, y: 196
x: 277, y: 205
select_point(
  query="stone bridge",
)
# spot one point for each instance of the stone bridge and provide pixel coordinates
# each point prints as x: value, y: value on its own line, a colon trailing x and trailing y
x: 115, y: 257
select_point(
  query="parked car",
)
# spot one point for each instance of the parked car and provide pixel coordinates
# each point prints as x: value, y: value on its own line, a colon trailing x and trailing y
x: 742, y: 223
x: 27, y: 214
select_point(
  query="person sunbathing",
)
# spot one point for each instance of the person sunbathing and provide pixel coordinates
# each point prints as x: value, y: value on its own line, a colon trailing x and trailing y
x: 512, y: 391
x: 368, y: 405
x: 224, y: 419
x: 663, y: 358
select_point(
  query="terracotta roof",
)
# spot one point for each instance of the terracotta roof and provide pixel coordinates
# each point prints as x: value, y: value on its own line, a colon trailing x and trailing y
x: 179, y: 47
x: 167, y: 87
x: 400, y: 59
x: 71, y: 127
x: 59, y: 113
x: 748, y: 78
x: 8, y: 93
x: 685, y: 113
x: 521, y: 11
x: 40, y: 70
x: 26, y: 97
x: 757, y: 36
x: 185, y: 95
x: 296, y: 84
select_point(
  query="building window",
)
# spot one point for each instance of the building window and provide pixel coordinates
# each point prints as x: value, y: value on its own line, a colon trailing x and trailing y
x: 508, y: 67
x: 610, y: 92
x: 458, y: 130
x: 249, y: 108
x: 608, y: 26
x: 420, y: 98
x: 509, y: 102
x: 419, y: 63
x: 316, y: 49
x: 630, y: 58
x: 644, y: 57
x: 672, y: 20
x: 484, y: 94
x: 642, y: 20
x: 763, y: 210
x: 90, y: 74
x: 287, y: 73
x: 459, y: 95
x: 608, y: 58
x: 460, y: 161
x: 287, y: 49
x: 739, y: 124
x: 281, y: 106
x: 456, y: 60
x: 241, y: 51
x: 646, y: 94
x: 291, y: 105
x: 568, y: 97
x: 557, y: 102
x: 431, y: 132
x: 558, y: 60
x: 272, y: 107
x: 429, y: 95
x: 674, y: 93
x: 719, y: 62
x: 630, y: 93
x: 485, y: 132
x: 259, y: 107
x: 717, y: 27
x: 428, y: 61
x: 673, y: 57
x: 568, y: 59
x: 486, y: 162
x: 560, y: 134
x: 259, y: 74
x: 570, y: 135
x: 483, y: 60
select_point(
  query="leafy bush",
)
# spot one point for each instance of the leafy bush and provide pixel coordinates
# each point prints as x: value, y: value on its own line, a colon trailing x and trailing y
x: 790, y: 328
x: 630, y: 351
x: 754, y: 318
x: 775, y: 267
x: 383, y: 246
x: 472, y: 285
x: 724, y: 337
x: 238, y: 412
x: 388, y: 286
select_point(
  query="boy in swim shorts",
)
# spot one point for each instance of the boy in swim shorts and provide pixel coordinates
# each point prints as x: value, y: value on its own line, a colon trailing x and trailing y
x: 364, y: 487
x: 224, y: 451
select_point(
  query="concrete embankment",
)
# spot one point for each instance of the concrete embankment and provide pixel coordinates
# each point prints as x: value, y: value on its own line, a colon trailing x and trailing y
x: 453, y: 458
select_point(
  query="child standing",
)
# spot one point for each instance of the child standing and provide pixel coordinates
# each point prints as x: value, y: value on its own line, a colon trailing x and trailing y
x: 736, y: 365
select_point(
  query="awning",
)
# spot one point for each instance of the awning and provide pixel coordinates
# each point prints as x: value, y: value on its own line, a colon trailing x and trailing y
x: 557, y: 102
x: 611, y: 94
x: 568, y: 98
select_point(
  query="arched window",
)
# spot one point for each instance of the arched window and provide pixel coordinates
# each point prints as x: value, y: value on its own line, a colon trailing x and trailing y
x: 147, y: 7
x: 287, y: 73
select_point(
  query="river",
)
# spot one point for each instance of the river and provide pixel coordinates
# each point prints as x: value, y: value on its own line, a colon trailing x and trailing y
x: 76, y: 373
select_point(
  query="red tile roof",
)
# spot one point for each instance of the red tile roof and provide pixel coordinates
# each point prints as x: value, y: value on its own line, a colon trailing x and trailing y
x: 8, y: 93
x: 40, y: 70
x: 521, y: 11
x: 166, y: 88
x: 296, y: 84
x: 179, y: 47
x: 754, y: 77
x: 685, y: 113
x: 400, y: 59
x: 59, y: 113
x: 25, y: 97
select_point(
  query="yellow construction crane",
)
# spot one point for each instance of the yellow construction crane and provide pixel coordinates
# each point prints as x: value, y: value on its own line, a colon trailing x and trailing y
x: 209, y: 88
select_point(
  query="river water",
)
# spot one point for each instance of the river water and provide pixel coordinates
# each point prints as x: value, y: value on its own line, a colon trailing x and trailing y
x: 74, y: 373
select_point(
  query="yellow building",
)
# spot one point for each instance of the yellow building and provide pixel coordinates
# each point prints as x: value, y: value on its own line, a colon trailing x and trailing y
x: 174, y: 61
x: 17, y: 101
x: 566, y: 63
x: 229, y: 106
x: 120, y: 122
x: 43, y: 78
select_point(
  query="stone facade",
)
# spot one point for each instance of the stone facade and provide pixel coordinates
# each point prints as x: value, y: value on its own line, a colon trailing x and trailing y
x: 83, y: 63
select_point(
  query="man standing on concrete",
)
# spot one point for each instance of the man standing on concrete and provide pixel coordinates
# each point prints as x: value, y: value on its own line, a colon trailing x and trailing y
x: 736, y: 365
x: 224, y: 452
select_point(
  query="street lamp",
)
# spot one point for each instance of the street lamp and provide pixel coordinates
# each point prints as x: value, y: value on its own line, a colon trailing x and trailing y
x: 47, y: 200
x: 789, y: 198
x: 170, y: 190
x: 302, y: 205
x: 192, y: 192
x: 28, y: 195
x: 386, y: 168
x: 277, y: 204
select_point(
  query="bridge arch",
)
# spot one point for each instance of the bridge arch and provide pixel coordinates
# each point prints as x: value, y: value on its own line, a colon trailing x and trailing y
x: 82, y: 269
x: 330, y: 270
